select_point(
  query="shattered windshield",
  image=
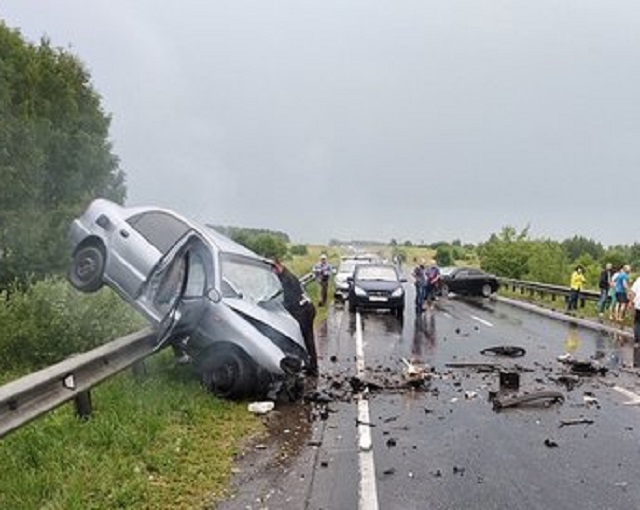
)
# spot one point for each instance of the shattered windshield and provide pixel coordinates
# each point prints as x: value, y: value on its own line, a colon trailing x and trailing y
x: 249, y: 279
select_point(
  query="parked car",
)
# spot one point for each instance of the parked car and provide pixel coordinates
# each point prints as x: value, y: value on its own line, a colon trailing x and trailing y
x: 377, y: 286
x: 211, y: 298
x: 467, y: 281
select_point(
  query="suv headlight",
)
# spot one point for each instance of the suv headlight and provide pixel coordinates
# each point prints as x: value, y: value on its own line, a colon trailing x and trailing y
x: 398, y: 292
x: 359, y: 291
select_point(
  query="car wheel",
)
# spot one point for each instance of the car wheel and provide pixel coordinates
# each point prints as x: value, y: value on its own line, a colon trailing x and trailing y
x: 87, y: 268
x: 228, y: 373
x: 486, y: 290
x: 399, y: 312
x: 444, y: 290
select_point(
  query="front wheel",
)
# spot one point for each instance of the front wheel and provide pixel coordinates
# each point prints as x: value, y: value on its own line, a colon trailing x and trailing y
x: 87, y: 268
x: 444, y: 290
x: 229, y: 374
x: 486, y: 290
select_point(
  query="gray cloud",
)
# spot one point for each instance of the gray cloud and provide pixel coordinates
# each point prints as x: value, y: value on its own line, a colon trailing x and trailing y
x: 420, y: 120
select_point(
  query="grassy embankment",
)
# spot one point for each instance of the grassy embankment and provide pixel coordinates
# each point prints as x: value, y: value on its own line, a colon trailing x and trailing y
x: 162, y: 442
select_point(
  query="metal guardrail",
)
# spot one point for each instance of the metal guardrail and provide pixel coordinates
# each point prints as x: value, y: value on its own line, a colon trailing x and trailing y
x: 35, y: 394
x: 30, y: 396
x: 544, y: 289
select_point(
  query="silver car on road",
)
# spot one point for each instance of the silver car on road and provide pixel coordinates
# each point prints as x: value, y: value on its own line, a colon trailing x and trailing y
x: 211, y: 298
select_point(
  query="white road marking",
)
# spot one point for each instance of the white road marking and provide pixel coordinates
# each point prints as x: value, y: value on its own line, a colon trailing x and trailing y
x: 368, y: 499
x: 634, y: 398
x: 482, y: 321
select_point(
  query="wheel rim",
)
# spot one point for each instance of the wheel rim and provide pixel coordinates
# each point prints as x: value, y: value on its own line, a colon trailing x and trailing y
x: 486, y: 290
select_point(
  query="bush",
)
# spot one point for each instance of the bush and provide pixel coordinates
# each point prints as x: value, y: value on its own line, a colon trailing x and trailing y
x: 299, y: 250
x: 50, y: 320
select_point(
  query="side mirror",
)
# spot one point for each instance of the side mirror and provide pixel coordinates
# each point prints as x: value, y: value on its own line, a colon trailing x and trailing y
x: 214, y: 295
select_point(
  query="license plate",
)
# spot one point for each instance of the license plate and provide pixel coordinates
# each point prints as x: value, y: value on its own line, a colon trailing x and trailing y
x: 377, y: 298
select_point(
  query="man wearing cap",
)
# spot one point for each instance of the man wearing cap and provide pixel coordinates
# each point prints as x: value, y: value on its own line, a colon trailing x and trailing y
x: 322, y: 271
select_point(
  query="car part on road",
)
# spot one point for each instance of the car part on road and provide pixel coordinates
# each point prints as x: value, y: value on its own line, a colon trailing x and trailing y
x: 577, y: 421
x: 480, y: 367
x: 509, y: 380
x: 546, y: 397
x: 511, y: 351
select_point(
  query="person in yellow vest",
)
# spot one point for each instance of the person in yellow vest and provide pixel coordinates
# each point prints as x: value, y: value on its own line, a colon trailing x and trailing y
x: 577, y: 282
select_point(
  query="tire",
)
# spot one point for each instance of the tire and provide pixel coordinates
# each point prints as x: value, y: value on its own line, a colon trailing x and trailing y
x: 486, y: 290
x: 399, y: 312
x: 87, y: 268
x: 444, y: 290
x: 228, y: 373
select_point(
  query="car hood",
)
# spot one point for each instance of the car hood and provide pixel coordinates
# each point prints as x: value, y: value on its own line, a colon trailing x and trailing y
x: 382, y: 285
x: 271, y: 313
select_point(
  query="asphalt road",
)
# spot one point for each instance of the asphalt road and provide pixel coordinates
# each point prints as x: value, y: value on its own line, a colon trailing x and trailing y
x: 443, y: 445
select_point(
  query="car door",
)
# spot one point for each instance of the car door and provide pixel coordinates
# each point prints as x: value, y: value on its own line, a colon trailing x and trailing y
x: 175, y: 295
x: 141, y: 242
x: 458, y: 283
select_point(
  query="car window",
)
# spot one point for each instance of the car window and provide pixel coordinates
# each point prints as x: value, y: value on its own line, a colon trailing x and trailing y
x: 162, y: 230
x: 347, y: 267
x: 196, y: 281
x: 251, y: 279
x: 475, y: 272
x: 377, y: 273
x: 463, y: 273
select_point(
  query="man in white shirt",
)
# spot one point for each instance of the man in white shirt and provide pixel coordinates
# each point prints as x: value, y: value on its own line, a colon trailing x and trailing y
x: 635, y: 295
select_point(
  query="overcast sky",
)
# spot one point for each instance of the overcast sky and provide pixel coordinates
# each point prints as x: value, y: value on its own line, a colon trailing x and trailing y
x: 422, y: 120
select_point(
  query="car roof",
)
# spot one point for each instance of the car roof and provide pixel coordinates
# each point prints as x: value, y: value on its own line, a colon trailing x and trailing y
x: 218, y: 240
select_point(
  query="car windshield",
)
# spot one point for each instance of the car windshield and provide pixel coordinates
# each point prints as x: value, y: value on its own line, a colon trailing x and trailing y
x: 249, y: 279
x: 347, y: 267
x: 377, y: 273
x: 447, y: 270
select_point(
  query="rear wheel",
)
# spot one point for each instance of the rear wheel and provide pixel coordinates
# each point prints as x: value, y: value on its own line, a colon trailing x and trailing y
x: 228, y: 373
x: 87, y: 268
x: 486, y: 290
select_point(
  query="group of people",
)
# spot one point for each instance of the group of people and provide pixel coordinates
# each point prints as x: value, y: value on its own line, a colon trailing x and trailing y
x: 617, y: 294
x: 427, y: 283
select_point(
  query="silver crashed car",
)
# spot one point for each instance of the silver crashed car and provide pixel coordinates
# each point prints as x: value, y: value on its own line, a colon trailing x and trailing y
x: 209, y: 297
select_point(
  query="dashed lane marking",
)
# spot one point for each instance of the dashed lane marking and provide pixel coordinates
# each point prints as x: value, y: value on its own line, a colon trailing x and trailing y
x: 482, y: 321
x: 634, y: 398
x: 368, y: 499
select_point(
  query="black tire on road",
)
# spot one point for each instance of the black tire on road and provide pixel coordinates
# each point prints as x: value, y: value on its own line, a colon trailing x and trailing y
x: 486, y: 290
x: 444, y: 290
x: 229, y: 373
x: 87, y: 268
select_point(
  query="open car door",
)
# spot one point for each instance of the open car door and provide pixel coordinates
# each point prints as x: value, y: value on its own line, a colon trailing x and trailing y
x: 175, y: 292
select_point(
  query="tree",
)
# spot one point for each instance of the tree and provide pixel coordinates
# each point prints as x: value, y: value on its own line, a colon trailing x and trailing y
x: 444, y: 256
x: 579, y: 245
x: 55, y: 155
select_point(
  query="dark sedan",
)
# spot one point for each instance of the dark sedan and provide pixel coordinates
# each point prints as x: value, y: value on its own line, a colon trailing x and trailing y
x: 376, y: 286
x: 467, y: 281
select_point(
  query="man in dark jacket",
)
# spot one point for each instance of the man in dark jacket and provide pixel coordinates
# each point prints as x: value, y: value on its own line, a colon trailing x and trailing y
x: 604, y: 285
x: 300, y: 306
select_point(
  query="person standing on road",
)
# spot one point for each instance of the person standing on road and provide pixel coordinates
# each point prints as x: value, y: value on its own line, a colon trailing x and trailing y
x: 433, y: 283
x: 634, y: 294
x: 604, y: 284
x: 420, y: 282
x: 322, y: 272
x: 577, y: 282
x: 622, y: 287
x: 298, y: 304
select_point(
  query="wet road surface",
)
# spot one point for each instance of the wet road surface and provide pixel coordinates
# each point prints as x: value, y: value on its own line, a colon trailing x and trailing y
x: 443, y: 445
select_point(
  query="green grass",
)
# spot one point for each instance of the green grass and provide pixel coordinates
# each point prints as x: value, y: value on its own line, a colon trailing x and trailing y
x: 589, y: 311
x: 159, y: 443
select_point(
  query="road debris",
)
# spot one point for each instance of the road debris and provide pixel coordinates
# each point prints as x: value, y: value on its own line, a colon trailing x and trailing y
x: 510, y: 351
x: 535, y: 398
x: 577, y: 421
x: 260, y: 407
x: 509, y: 380
x: 550, y: 443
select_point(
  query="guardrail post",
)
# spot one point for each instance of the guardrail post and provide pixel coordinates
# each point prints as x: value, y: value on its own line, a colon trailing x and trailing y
x: 139, y: 369
x: 83, y: 405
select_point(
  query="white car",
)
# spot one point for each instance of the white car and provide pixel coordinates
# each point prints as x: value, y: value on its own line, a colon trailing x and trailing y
x: 214, y: 299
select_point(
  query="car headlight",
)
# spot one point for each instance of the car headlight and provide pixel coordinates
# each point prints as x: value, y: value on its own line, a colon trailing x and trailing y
x: 398, y: 292
x: 359, y: 291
